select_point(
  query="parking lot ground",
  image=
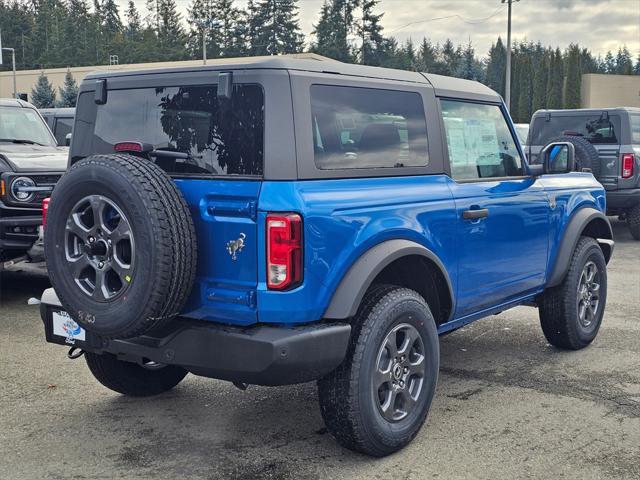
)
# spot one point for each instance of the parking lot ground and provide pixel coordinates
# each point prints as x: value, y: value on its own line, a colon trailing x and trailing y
x: 508, y: 406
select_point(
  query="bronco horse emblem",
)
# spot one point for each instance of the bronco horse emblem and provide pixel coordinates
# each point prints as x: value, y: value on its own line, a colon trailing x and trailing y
x: 235, y: 246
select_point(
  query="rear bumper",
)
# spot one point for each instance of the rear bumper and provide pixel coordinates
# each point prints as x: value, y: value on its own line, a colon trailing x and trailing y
x: 260, y: 355
x: 622, y: 199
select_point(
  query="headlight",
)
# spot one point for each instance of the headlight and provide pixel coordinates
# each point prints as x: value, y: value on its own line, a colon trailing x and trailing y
x: 21, y: 189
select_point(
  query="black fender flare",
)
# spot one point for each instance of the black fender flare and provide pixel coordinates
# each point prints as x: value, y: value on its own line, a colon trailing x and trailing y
x: 347, y: 297
x: 580, y: 221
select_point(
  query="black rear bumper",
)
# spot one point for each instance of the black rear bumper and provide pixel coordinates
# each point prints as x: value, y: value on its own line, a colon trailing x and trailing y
x: 261, y: 355
x: 623, y: 199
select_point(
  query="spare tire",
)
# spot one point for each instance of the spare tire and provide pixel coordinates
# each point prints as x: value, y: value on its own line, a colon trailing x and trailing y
x: 586, y: 154
x: 120, y: 245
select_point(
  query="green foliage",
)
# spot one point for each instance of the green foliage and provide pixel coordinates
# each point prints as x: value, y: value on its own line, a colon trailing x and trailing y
x: 496, y: 67
x: 43, y: 95
x: 69, y: 93
x: 333, y: 29
x: 573, y: 78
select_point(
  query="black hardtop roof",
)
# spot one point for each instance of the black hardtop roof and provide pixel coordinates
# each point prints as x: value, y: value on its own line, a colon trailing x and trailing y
x: 444, y: 86
x: 582, y: 111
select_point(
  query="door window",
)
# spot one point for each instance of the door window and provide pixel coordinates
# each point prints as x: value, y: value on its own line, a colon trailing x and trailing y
x: 479, y: 141
x: 367, y: 128
x: 62, y: 128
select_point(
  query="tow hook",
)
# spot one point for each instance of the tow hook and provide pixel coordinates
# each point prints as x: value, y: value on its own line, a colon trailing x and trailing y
x: 74, y: 352
x: 241, y: 385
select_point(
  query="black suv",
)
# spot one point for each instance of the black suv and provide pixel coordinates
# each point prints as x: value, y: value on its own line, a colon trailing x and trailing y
x: 608, y: 139
x: 31, y: 162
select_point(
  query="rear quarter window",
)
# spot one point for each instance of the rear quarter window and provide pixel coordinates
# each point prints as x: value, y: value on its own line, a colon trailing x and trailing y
x: 220, y: 137
x: 356, y: 127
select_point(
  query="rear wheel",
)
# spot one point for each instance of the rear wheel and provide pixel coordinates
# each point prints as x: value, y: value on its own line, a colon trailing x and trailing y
x: 633, y: 221
x: 571, y: 313
x: 376, y: 401
x: 132, y: 379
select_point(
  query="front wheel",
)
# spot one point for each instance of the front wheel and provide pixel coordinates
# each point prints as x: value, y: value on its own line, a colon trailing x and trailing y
x: 376, y: 401
x: 132, y: 379
x: 571, y: 313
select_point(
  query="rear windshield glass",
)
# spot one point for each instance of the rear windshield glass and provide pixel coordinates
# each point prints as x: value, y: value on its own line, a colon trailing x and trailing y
x: 595, y: 128
x: 367, y: 128
x: 218, y: 136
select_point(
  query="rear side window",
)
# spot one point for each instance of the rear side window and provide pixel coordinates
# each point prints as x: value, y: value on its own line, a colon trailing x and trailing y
x: 219, y: 137
x: 479, y: 141
x: 357, y: 127
x: 596, y: 128
x: 62, y: 127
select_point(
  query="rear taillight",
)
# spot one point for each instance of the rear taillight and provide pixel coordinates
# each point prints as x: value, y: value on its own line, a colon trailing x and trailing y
x: 627, y: 165
x: 45, y: 210
x: 128, y: 147
x: 284, y: 251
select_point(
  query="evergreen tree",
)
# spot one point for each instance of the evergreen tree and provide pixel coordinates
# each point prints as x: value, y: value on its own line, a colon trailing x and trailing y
x: 427, y: 56
x: 69, y: 93
x: 372, y: 51
x: 573, y: 80
x: 274, y: 27
x: 496, y: 67
x: 469, y: 68
x: 133, y: 29
x: 636, y: 69
x: 451, y: 57
x: 171, y: 34
x: 609, y: 63
x: 110, y: 17
x: 555, y: 80
x: 540, y: 81
x: 524, y: 105
x: 43, y: 95
x: 624, y: 63
x: 332, y: 31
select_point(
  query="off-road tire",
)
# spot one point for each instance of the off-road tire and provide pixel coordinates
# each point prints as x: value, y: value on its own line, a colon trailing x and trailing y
x: 633, y: 221
x: 346, y: 395
x: 161, y: 224
x: 558, y: 308
x: 132, y: 379
x: 586, y: 154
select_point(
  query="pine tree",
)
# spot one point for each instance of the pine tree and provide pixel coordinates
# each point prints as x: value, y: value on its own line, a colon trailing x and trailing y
x: 274, y: 27
x: 171, y: 34
x: 555, y: 80
x: 230, y: 34
x: 451, y: 57
x: 111, y: 17
x: 523, y: 110
x: 573, y: 80
x: 43, y: 95
x: 496, y: 67
x: 636, y: 69
x: 427, y: 56
x: 372, y: 51
x: 609, y: 63
x: 624, y: 63
x: 133, y: 29
x: 540, y: 80
x: 332, y: 31
x: 69, y: 93
x: 469, y: 68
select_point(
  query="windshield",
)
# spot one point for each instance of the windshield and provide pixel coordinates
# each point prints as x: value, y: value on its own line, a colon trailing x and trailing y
x: 522, y: 129
x: 596, y: 128
x: 23, y: 125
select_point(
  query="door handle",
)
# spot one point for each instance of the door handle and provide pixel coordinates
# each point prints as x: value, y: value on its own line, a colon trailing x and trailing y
x: 475, y: 214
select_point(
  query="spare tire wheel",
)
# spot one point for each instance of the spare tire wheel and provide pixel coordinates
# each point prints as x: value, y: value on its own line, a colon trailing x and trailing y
x: 586, y: 154
x: 120, y: 245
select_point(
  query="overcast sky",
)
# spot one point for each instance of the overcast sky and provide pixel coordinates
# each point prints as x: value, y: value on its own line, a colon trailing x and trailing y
x: 600, y: 25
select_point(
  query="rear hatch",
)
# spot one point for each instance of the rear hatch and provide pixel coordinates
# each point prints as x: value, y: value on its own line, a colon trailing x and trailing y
x: 213, y: 149
x: 602, y: 130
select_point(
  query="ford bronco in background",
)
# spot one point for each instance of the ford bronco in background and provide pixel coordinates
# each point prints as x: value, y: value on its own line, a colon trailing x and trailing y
x: 607, y: 141
x: 30, y: 164
x: 282, y: 221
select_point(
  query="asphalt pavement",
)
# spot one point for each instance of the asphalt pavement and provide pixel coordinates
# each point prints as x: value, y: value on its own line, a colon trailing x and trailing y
x: 508, y: 406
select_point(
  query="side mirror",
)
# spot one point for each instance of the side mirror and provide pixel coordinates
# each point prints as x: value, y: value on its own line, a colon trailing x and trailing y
x: 67, y: 140
x: 559, y: 157
x: 225, y: 85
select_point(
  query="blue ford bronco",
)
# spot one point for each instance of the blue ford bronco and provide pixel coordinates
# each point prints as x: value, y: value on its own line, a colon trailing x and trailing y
x: 280, y: 221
